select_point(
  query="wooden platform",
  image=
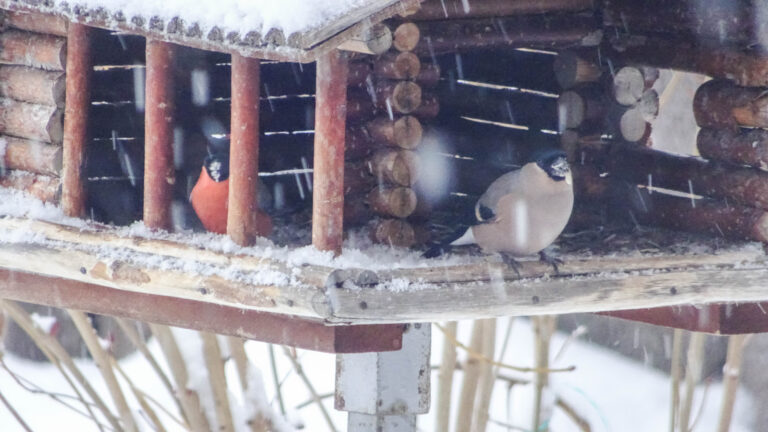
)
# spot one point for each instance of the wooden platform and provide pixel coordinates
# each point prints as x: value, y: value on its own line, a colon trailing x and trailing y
x: 629, y: 272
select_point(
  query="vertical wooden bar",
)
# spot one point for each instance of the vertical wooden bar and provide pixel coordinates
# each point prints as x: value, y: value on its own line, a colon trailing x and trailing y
x: 78, y: 99
x: 244, y: 151
x: 159, y: 175
x: 330, y: 126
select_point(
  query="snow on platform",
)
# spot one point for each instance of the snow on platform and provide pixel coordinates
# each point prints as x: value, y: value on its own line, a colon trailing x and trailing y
x: 375, y: 284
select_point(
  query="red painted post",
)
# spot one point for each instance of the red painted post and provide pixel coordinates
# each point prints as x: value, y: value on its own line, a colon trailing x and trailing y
x: 78, y: 99
x: 244, y: 151
x: 330, y: 126
x: 159, y: 176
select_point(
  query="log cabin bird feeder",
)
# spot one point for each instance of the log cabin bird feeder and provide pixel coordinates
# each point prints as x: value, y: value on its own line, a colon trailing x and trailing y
x: 386, y: 72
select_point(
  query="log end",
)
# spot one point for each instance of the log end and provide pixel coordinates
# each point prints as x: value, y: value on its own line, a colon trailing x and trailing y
x: 408, y: 132
x: 760, y: 229
x: 394, y: 232
x: 406, y: 37
x: 406, y: 97
x: 571, y: 110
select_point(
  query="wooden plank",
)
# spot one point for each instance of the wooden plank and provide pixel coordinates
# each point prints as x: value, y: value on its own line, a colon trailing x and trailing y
x: 159, y: 173
x: 78, y: 100
x: 215, y: 318
x: 244, y: 152
x: 330, y: 128
x: 97, y: 255
x: 714, y: 318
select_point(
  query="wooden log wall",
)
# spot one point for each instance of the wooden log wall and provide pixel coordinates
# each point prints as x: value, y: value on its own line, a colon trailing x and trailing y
x: 32, y: 82
x: 390, y: 98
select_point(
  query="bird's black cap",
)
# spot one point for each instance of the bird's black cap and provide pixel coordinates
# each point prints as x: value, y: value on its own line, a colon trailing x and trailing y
x: 553, y: 162
x: 217, y: 166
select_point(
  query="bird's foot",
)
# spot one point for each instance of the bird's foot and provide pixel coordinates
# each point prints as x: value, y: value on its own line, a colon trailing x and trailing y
x: 512, y: 263
x: 551, y: 260
x: 435, y: 251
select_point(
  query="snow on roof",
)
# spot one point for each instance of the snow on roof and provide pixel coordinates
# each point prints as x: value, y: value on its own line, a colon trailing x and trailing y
x: 278, y: 29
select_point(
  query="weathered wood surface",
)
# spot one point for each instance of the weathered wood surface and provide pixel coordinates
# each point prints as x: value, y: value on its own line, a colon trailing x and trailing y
x: 242, y: 201
x: 376, y: 39
x: 76, y: 120
x: 397, y: 66
x: 34, y: 22
x: 32, y: 85
x: 558, y: 32
x: 33, y: 50
x: 43, y: 187
x: 742, y: 146
x: 720, y: 103
x: 404, y: 132
x: 455, y: 9
x: 573, y: 68
x: 159, y: 172
x: 330, y: 129
x: 434, y: 293
x: 393, y: 232
x: 32, y: 156
x: 32, y: 121
x: 280, y: 329
x: 743, y: 68
x: 708, y: 22
x: 740, y: 185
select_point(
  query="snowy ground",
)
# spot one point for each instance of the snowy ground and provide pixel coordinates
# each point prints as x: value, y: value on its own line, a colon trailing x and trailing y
x: 613, y: 393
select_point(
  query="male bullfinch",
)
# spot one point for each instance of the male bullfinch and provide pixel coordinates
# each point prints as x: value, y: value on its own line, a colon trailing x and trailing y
x: 210, y: 196
x: 522, y: 212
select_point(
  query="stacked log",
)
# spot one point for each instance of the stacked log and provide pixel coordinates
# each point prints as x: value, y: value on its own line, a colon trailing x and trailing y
x: 390, y: 95
x: 32, y: 63
x: 621, y: 104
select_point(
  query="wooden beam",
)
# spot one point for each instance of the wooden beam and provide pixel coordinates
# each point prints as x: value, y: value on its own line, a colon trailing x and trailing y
x: 330, y: 126
x: 78, y: 102
x: 33, y: 49
x: 159, y: 175
x: 209, y: 317
x: 243, y: 204
x: 715, y: 318
x: 457, y: 9
x: 97, y: 255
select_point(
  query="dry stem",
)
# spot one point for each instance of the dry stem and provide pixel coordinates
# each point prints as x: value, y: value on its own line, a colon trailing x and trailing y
x: 189, y: 399
x: 57, y: 355
x: 731, y: 373
x: 218, y: 381
x: 469, y: 382
x: 14, y: 413
x: 487, y: 377
x: 543, y: 327
x: 300, y: 372
x: 101, y: 358
x: 692, y: 376
x: 674, y: 399
x: 445, y: 379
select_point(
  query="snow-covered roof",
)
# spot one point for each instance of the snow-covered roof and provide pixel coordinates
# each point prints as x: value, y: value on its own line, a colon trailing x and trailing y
x: 291, y: 30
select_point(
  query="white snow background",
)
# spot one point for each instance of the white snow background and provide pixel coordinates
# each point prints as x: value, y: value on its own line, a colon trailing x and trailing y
x: 612, y: 392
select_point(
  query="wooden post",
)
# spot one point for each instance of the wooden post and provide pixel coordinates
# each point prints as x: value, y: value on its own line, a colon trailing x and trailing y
x: 159, y: 175
x: 76, y: 120
x: 330, y: 127
x: 244, y: 151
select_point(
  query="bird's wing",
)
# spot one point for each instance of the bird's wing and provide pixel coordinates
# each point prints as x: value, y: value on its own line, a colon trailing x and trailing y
x: 485, y: 209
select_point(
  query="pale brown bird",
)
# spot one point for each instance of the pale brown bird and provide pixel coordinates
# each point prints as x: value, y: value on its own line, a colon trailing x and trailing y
x: 523, y: 211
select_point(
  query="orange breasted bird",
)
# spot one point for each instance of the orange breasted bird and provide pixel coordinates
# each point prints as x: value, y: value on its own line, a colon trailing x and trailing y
x: 210, y: 196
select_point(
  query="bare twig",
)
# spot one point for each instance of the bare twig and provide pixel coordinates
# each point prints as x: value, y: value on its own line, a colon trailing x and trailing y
x: 731, y: 373
x: 15, y: 413
x: 692, y: 376
x: 478, y: 356
x: 189, y: 399
x: 130, y: 331
x: 59, y: 356
x: 315, y: 396
x: 445, y: 380
x: 259, y: 422
x: 141, y: 397
x: 580, y: 421
x: 674, y: 399
x: 276, y: 380
x: 101, y: 358
x: 218, y: 381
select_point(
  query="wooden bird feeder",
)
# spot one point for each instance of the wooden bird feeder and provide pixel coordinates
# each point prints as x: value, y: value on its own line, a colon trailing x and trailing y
x: 372, y: 112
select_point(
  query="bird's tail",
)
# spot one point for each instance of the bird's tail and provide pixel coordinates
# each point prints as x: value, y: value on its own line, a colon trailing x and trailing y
x: 436, y: 250
x: 460, y: 236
